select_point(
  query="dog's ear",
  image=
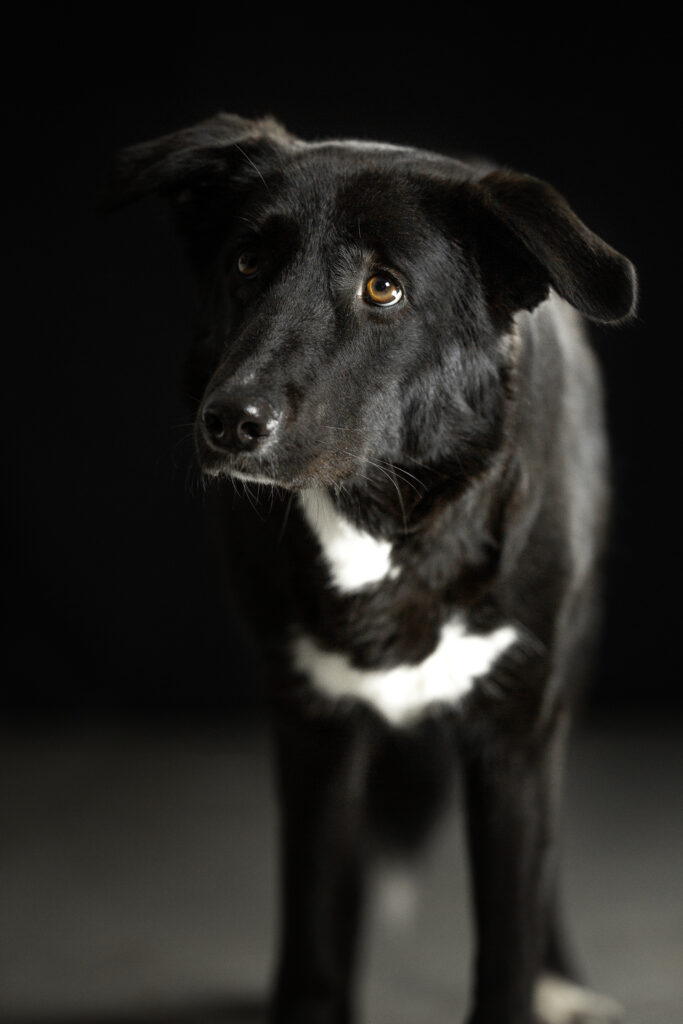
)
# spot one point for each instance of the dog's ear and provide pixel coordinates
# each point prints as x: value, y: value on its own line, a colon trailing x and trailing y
x: 204, y: 172
x: 210, y: 153
x: 534, y: 240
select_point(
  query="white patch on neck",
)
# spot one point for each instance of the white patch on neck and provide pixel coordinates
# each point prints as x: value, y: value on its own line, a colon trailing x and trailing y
x: 560, y: 1001
x: 353, y: 557
x: 401, y: 694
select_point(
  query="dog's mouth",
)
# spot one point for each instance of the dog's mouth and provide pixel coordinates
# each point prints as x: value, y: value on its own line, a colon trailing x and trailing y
x: 275, y: 466
x: 250, y: 468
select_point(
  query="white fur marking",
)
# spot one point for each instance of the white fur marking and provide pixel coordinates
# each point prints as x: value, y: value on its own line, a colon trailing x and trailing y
x: 354, y: 558
x: 559, y: 1001
x: 402, y: 693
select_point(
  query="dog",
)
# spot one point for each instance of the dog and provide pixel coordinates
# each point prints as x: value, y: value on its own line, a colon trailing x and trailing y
x: 392, y: 347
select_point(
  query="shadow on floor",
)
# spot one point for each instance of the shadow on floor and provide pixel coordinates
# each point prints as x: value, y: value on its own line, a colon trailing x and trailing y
x: 238, y: 1010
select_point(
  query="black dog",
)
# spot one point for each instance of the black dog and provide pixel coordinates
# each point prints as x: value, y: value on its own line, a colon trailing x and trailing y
x: 388, y: 340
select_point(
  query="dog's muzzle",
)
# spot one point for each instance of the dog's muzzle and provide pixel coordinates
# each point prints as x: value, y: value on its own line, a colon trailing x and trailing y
x: 239, y: 420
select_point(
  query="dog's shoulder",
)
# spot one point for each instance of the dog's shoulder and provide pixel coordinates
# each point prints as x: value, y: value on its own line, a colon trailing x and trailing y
x: 558, y: 512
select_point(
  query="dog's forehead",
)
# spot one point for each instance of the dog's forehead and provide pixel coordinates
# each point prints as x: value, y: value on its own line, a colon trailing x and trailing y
x: 348, y: 187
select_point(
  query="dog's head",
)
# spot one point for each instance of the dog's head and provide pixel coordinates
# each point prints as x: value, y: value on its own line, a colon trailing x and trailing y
x: 357, y: 297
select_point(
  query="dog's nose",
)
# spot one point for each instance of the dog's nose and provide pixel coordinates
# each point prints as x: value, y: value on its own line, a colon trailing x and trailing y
x: 239, y: 420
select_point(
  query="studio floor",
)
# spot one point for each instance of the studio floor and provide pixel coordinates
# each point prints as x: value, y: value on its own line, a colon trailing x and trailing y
x: 137, y: 879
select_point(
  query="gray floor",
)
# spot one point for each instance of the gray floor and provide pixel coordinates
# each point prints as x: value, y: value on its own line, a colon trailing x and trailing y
x: 137, y: 880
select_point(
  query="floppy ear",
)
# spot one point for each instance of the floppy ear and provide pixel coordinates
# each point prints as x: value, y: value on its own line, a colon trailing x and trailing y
x: 208, y: 153
x: 555, y: 249
x: 203, y: 171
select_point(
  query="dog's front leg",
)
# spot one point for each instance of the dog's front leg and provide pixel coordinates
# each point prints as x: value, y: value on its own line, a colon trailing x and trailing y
x: 321, y: 764
x: 510, y: 788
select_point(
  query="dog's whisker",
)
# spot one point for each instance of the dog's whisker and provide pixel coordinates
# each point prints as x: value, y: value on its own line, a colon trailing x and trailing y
x: 253, y: 501
x: 285, y: 518
x: 388, y: 470
x: 400, y: 469
x: 251, y: 162
x: 181, y: 440
x: 188, y: 425
x: 378, y: 461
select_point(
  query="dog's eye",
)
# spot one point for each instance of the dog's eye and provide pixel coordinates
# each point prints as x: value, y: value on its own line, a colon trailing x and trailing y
x: 247, y: 263
x: 382, y: 291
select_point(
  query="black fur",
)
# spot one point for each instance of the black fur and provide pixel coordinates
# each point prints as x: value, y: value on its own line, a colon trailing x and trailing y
x: 456, y: 424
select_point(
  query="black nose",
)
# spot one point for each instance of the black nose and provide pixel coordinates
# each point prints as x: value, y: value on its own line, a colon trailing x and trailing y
x: 238, y: 420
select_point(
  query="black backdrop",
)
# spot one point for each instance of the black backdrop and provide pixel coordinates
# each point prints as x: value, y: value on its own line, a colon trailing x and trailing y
x: 107, y: 574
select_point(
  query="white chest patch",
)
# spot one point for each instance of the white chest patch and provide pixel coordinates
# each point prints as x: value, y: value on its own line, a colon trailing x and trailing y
x: 401, y: 694
x: 354, y: 558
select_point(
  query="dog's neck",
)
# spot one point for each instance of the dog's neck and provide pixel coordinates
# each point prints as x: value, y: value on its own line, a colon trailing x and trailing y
x: 368, y: 535
x: 430, y: 520
x: 396, y: 515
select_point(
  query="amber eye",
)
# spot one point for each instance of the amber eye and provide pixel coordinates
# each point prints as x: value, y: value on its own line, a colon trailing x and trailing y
x: 247, y: 263
x: 382, y: 290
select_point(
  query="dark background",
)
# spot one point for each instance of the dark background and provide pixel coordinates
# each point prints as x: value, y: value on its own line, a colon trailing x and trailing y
x: 110, y: 600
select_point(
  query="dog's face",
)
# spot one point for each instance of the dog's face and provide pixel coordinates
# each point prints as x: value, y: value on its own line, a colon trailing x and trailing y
x: 347, y: 328
x: 358, y: 298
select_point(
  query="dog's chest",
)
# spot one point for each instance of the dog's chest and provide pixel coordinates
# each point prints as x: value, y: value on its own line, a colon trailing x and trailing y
x: 401, y: 693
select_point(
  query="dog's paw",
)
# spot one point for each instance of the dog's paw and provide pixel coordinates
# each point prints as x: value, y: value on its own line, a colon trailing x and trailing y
x: 560, y: 1001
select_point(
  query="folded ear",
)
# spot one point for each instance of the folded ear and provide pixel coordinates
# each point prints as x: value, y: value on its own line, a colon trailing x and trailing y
x: 555, y: 248
x: 206, y: 153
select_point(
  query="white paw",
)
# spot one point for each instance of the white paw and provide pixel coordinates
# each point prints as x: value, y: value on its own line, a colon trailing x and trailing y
x: 559, y: 1001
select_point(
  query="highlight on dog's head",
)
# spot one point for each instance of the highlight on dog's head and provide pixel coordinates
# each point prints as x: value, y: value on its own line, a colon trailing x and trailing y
x: 357, y: 296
